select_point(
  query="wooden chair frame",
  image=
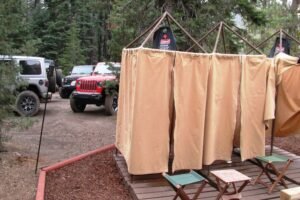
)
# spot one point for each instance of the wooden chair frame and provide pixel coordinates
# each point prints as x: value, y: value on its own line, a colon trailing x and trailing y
x: 179, y: 188
x: 279, y: 174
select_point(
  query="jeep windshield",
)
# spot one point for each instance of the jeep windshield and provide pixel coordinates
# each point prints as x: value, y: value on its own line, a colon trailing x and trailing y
x: 107, y: 69
x: 82, y: 69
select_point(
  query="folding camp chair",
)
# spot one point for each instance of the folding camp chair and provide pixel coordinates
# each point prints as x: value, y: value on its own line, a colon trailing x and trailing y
x: 267, y: 164
x: 178, y: 182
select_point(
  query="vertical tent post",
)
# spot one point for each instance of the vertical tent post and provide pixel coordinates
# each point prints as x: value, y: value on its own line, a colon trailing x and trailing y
x: 218, y: 37
x: 280, y: 40
x: 223, y: 37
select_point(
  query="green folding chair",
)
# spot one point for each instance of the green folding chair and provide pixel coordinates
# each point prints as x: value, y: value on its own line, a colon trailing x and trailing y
x: 268, y: 163
x: 178, y: 182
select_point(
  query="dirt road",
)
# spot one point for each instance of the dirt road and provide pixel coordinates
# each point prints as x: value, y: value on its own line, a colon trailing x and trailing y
x: 66, y: 134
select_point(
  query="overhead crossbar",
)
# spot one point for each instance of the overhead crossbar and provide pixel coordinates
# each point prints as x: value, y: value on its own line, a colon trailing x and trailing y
x: 220, y: 26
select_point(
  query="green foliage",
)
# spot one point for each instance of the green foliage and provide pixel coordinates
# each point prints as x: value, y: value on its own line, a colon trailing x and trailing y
x: 8, y: 82
x: 129, y: 18
x: 72, y: 53
x: 111, y: 87
x: 280, y: 16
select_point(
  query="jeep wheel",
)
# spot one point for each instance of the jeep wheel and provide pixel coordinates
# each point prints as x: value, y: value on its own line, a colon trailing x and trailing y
x: 27, y: 103
x: 111, y: 104
x: 63, y: 94
x: 76, y: 106
x: 52, y: 83
x: 59, y: 75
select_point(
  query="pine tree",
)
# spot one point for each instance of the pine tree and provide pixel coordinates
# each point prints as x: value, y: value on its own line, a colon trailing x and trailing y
x: 72, y: 53
x: 130, y: 18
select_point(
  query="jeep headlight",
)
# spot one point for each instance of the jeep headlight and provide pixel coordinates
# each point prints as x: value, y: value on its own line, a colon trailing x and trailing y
x: 73, y: 83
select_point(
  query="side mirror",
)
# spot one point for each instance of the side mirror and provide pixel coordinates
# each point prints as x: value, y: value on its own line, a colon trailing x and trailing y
x: 70, y: 72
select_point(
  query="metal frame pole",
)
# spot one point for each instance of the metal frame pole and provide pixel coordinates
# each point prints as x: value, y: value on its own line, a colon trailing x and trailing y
x: 195, y: 41
x: 218, y: 37
x: 237, y: 34
x: 205, y: 35
x: 223, y: 38
x: 144, y: 33
x: 263, y: 42
x: 153, y: 29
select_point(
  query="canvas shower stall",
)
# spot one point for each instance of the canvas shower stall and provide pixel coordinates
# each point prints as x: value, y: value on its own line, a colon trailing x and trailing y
x: 199, y: 100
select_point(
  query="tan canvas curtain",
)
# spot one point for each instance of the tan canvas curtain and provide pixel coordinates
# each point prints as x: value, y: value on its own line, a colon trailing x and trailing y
x: 190, y: 89
x: 222, y: 101
x: 146, y: 147
x: 126, y: 102
x: 208, y: 90
x: 287, y: 121
x: 257, y: 104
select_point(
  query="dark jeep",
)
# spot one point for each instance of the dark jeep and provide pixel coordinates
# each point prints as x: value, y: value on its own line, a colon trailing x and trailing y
x: 68, y: 82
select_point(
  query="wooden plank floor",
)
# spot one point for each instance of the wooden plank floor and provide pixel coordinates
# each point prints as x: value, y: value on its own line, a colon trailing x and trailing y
x: 154, y: 187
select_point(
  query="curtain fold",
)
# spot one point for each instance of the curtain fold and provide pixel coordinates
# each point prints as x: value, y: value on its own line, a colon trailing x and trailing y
x: 287, y: 121
x: 214, y: 96
x: 146, y: 147
x: 190, y: 89
x: 255, y: 103
x: 221, y: 111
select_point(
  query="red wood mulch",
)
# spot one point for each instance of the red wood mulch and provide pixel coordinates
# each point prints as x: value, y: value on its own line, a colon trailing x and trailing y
x: 95, y: 177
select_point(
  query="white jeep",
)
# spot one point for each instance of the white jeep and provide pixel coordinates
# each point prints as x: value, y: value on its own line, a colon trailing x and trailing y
x: 33, y: 70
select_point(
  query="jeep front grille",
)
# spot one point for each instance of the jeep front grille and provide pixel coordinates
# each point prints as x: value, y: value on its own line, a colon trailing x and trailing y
x: 88, y: 86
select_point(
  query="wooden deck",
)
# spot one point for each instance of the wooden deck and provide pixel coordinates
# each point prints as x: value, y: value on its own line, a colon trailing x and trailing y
x: 155, y: 187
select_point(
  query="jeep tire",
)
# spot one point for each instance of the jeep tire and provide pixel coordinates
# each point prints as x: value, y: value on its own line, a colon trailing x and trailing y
x: 63, y: 94
x: 76, y: 106
x: 27, y: 103
x: 111, y: 104
x: 52, y: 83
x: 59, y: 76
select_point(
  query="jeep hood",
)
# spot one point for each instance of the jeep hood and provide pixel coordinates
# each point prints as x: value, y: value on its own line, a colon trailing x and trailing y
x: 76, y: 76
x: 98, y: 78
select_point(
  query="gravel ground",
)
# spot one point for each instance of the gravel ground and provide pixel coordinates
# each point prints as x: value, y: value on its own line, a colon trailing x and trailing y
x: 65, y: 135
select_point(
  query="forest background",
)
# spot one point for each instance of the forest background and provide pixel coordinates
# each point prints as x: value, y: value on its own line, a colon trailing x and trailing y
x: 73, y: 32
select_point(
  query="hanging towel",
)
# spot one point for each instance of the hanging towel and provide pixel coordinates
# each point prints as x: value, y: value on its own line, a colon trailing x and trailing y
x: 190, y: 89
x: 287, y: 121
